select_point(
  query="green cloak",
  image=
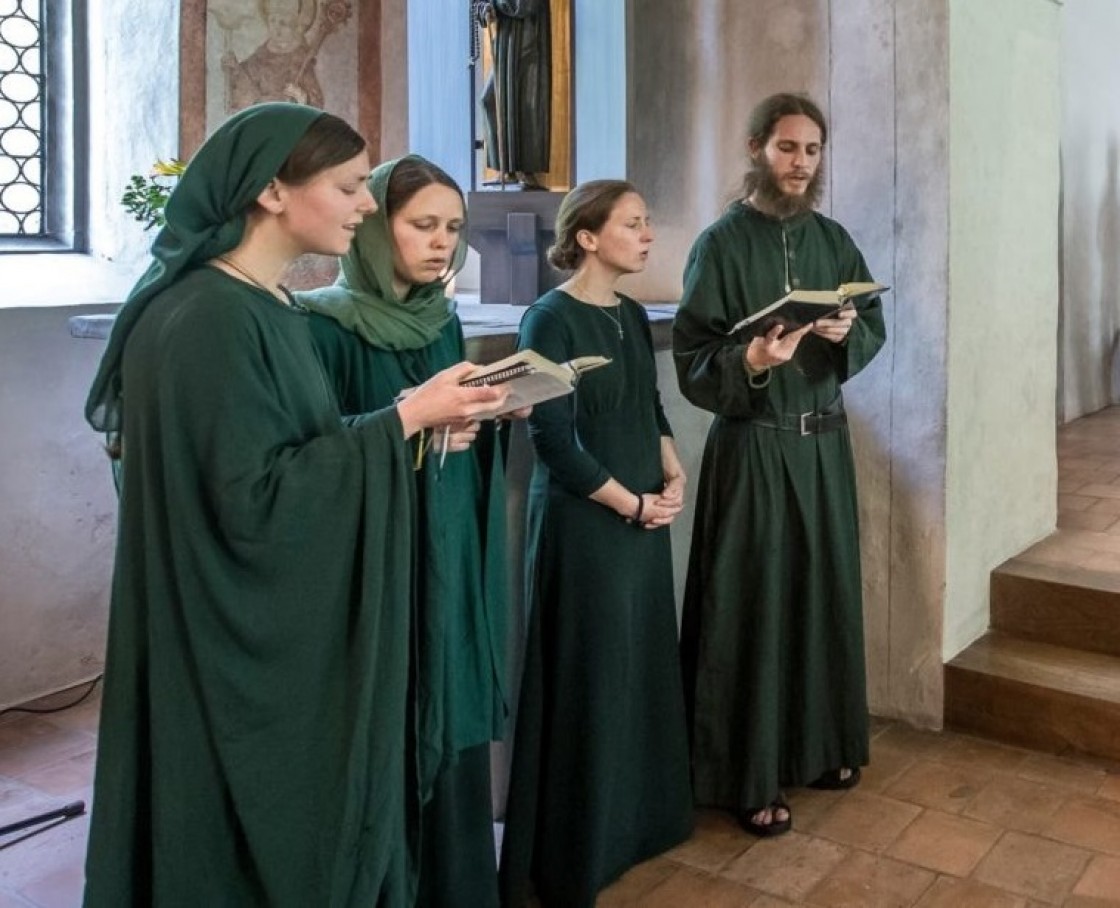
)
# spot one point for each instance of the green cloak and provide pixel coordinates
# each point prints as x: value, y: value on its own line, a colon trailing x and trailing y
x: 252, y: 746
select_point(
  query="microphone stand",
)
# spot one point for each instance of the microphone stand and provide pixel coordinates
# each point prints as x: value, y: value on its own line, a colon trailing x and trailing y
x: 61, y: 815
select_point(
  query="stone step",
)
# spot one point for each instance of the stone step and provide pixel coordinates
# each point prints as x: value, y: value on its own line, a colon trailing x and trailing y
x: 1059, y: 604
x: 1036, y: 695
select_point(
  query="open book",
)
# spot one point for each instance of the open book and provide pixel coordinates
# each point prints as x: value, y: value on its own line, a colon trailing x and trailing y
x: 532, y: 378
x: 800, y: 307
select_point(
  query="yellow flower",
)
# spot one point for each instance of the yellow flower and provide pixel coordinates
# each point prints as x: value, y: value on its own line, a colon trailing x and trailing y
x: 171, y: 168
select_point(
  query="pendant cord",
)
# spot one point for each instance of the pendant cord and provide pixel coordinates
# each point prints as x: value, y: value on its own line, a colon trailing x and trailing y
x: 605, y: 308
x: 279, y: 297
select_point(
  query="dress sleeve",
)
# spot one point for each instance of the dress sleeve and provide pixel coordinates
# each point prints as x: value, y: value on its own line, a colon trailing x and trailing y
x: 709, y: 364
x: 268, y: 473
x: 331, y: 345
x: 552, y: 424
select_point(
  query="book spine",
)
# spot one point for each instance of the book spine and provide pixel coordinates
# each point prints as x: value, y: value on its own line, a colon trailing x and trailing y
x: 497, y: 378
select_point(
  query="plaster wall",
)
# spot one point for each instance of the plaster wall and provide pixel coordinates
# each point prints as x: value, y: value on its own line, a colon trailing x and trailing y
x: 1001, y: 476
x: 134, y: 115
x: 58, y: 522
x: 441, y: 96
x: 1089, y: 320
x: 905, y: 635
x: 599, y: 102
x: 394, y: 81
x: 888, y: 184
x: 695, y: 70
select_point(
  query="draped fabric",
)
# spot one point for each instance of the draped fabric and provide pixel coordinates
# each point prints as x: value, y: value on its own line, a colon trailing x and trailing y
x: 205, y: 216
x: 253, y: 745
x: 772, y: 630
x: 363, y: 300
x: 253, y: 733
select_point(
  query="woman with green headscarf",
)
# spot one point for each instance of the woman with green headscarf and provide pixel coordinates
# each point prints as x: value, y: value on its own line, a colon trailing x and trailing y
x: 387, y: 324
x: 254, y: 745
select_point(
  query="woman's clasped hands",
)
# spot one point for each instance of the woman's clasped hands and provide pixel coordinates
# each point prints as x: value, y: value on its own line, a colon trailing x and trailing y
x: 659, y: 509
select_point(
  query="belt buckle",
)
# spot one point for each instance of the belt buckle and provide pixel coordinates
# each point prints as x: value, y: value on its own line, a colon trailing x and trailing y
x: 805, y: 430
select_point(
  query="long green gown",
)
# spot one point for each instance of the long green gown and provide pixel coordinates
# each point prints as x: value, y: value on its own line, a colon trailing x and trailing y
x: 252, y: 742
x: 462, y: 607
x: 772, y: 632
x: 599, y: 780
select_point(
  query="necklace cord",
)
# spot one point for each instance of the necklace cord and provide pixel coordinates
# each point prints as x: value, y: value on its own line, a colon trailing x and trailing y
x: 280, y: 296
x: 605, y: 308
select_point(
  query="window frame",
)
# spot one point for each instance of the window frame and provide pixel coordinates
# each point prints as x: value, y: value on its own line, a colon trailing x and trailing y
x: 65, y: 131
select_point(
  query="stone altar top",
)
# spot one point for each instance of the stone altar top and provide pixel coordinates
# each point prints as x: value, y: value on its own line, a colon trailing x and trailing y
x: 490, y: 329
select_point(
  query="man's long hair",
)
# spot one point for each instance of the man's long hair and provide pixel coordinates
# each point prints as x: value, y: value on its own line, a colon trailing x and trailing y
x: 759, y: 180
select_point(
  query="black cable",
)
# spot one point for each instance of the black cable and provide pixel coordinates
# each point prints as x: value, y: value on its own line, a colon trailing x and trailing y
x: 55, y: 709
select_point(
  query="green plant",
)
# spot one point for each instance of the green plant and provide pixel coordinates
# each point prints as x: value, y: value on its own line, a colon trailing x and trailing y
x: 146, y: 195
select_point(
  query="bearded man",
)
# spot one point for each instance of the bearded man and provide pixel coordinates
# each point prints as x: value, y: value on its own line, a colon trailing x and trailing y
x: 772, y: 632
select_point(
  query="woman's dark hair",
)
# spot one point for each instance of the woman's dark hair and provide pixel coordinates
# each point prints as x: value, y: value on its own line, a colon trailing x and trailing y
x: 587, y: 207
x: 409, y: 176
x: 765, y: 116
x: 328, y: 142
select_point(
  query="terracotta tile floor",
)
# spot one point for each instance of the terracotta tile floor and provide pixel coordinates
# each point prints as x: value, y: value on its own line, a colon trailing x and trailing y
x: 1088, y: 495
x: 940, y: 819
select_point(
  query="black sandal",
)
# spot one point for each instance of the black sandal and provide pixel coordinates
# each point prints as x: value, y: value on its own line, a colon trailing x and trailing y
x: 833, y: 781
x: 767, y: 830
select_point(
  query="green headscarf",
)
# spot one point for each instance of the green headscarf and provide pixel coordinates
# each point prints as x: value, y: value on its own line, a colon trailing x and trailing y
x: 205, y: 216
x: 363, y: 301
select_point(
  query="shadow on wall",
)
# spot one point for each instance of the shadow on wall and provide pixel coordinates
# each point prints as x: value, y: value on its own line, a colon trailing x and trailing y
x: 1108, y: 247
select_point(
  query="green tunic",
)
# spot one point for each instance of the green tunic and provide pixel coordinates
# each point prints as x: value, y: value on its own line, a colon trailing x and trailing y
x: 599, y: 780
x: 772, y: 633
x: 462, y: 609
x: 252, y: 745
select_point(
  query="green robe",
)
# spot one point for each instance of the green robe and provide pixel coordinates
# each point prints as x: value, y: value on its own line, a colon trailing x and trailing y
x: 462, y: 607
x: 599, y: 780
x: 252, y: 741
x: 772, y: 632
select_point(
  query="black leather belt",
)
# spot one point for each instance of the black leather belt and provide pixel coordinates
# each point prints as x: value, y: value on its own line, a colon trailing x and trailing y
x: 811, y: 423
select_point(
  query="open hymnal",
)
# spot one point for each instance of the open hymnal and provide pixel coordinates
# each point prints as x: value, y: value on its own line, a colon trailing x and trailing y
x: 800, y: 307
x: 532, y: 378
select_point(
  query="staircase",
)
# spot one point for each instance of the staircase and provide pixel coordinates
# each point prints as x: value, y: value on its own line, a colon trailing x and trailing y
x: 1047, y: 674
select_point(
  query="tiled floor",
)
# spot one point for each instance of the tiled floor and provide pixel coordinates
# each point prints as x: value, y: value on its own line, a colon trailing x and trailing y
x: 1089, y: 493
x: 939, y: 819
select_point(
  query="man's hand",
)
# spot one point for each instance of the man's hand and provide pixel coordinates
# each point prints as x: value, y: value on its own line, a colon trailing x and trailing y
x: 777, y: 346
x: 836, y: 329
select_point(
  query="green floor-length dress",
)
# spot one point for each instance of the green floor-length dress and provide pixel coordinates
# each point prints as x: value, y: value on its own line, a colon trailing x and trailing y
x: 599, y: 780
x: 252, y: 740
x: 772, y: 633
x: 462, y: 613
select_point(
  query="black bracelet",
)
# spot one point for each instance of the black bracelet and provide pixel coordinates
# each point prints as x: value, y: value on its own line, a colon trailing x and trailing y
x: 637, y: 518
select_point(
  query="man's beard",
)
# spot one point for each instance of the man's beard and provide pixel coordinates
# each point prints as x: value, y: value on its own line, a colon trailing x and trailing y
x: 766, y: 194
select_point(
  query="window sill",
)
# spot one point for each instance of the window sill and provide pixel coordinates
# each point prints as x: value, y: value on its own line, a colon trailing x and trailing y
x: 63, y: 279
